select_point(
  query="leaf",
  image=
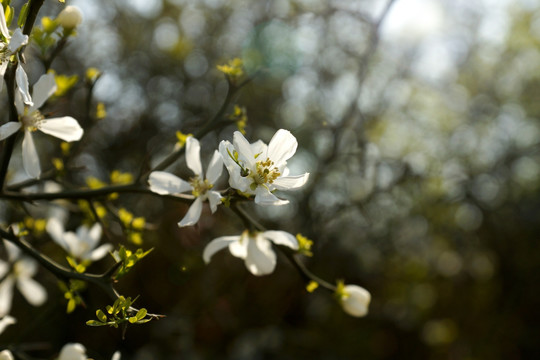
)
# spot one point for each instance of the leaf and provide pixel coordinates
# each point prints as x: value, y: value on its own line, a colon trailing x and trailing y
x: 101, y: 316
x: 141, y: 314
x: 94, y: 323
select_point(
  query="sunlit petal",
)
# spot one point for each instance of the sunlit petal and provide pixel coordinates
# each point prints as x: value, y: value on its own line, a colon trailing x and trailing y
x: 239, y: 248
x: 18, y: 39
x: 56, y: 231
x: 214, y: 168
x: 244, y: 149
x: 282, y: 146
x: 100, y: 252
x: 3, y: 25
x: 73, y: 351
x: 193, y: 156
x: 214, y: 198
x: 216, y: 245
x: 6, y: 295
x: 5, y: 322
x: 290, y: 182
x: 30, y: 156
x: 65, y: 128
x: 261, y: 258
x: 263, y: 196
x: 43, y: 89
x: 193, y: 214
x: 22, y: 85
x: 281, y: 238
x: 165, y: 183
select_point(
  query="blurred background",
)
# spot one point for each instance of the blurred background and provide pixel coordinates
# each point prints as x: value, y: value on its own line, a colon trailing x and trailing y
x: 418, y: 121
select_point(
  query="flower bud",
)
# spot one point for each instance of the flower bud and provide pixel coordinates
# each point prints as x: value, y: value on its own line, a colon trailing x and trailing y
x: 354, y: 299
x: 70, y: 17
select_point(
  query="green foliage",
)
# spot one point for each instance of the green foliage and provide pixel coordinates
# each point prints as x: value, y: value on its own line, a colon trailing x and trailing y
x: 71, y: 293
x: 121, y: 312
x: 128, y: 259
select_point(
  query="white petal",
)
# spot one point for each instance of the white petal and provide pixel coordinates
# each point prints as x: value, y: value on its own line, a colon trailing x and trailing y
x: 116, y: 355
x: 22, y: 85
x: 214, y: 198
x: 100, y: 252
x: 12, y: 250
x: 290, y: 182
x: 4, y: 268
x: 6, y: 354
x: 9, y: 129
x: 164, y: 183
x: 19, y: 103
x: 73, y: 351
x: 261, y: 258
x: 239, y: 248
x: 282, y: 147
x: 3, y: 26
x: 5, y: 322
x: 216, y: 245
x: 6, y: 295
x: 214, y: 168
x: 17, y: 40
x: 65, y: 128
x: 264, y: 197
x: 26, y: 267
x: 244, y: 149
x: 32, y: 291
x: 259, y: 147
x: 193, y: 156
x: 193, y: 214
x: 56, y: 230
x: 43, y: 89
x: 357, y: 301
x: 30, y: 156
x: 3, y: 68
x: 281, y: 238
x: 75, y: 247
x: 89, y: 236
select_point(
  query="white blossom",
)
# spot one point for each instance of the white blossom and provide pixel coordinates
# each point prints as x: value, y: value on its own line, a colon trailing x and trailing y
x: 259, y: 169
x: 19, y: 272
x: 354, y: 299
x: 200, y: 186
x: 6, y: 355
x: 9, y: 45
x: 82, y: 244
x: 5, y: 322
x: 255, y: 248
x: 31, y: 119
x: 73, y: 351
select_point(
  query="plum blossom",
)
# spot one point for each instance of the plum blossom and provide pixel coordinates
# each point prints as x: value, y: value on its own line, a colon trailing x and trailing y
x: 18, y: 272
x: 31, y: 119
x: 354, y: 299
x: 259, y: 169
x: 255, y: 248
x: 9, y: 45
x: 200, y: 186
x: 80, y: 245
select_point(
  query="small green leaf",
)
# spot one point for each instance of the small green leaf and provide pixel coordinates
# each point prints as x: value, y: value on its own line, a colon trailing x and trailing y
x: 22, y: 15
x: 141, y: 314
x: 94, y: 323
x: 132, y: 320
x: 101, y: 316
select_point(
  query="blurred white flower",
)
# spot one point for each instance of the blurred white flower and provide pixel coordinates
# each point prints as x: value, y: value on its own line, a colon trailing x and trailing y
x: 259, y: 169
x: 70, y: 17
x: 30, y: 120
x: 80, y: 245
x: 73, y: 351
x: 165, y: 183
x: 9, y: 46
x: 255, y: 248
x: 18, y: 272
x: 354, y: 299
x: 6, y: 355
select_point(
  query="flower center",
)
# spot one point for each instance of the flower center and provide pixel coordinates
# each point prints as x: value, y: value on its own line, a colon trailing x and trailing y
x: 31, y: 121
x: 266, y: 172
x: 199, y: 187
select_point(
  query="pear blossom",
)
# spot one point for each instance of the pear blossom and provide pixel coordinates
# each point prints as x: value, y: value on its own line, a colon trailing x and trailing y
x: 9, y: 45
x: 354, y: 299
x: 200, y: 186
x: 259, y: 169
x: 73, y: 351
x: 80, y: 245
x: 255, y: 248
x: 18, y: 272
x: 30, y: 120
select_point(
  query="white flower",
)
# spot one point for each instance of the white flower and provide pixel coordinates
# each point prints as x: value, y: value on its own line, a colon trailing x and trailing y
x: 73, y: 351
x: 255, y: 248
x: 70, y: 17
x: 6, y: 355
x: 165, y: 183
x: 354, y: 299
x: 18, y: 272
x: 30, y: 119
x: 259, y: 169
x: 9, y: 46
x: 6, y: 321
x: 80, y: 245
